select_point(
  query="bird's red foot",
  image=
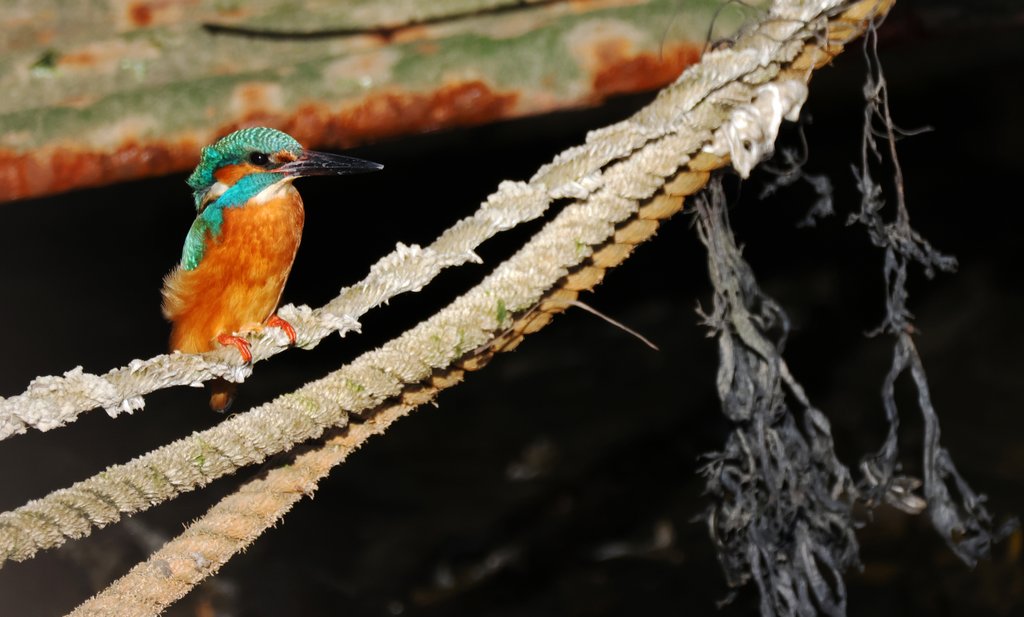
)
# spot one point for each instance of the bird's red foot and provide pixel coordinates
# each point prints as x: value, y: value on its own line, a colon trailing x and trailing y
x: 277, y: 322
x: 238, y: 343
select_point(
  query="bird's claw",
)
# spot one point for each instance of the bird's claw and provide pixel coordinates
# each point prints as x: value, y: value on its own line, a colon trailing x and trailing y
x: 277, y: 322
x: 238, y: 343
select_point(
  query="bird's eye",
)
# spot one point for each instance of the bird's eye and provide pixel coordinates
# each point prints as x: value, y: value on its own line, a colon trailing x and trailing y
x: 259, y: 158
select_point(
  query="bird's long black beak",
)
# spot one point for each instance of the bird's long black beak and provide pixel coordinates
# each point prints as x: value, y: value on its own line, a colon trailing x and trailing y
x: 312, y: 163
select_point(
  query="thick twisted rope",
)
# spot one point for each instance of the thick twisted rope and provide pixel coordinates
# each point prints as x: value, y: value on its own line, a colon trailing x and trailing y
x: 231, y: 525
x: 469, y: 323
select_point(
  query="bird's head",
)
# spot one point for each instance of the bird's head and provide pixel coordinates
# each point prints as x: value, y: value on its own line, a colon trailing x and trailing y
x: 241, y: 165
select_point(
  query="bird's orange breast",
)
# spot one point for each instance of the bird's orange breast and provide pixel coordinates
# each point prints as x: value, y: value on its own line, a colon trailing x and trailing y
x: 238, y: 283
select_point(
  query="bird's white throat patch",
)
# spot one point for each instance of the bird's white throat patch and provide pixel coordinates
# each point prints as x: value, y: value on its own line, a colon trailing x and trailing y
x: 274, y: 191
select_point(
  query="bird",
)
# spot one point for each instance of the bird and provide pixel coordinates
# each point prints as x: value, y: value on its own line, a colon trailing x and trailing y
x: 239, y: 251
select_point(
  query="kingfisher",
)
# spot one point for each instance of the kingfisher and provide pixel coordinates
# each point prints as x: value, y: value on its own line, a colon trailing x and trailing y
x: 239, y: 251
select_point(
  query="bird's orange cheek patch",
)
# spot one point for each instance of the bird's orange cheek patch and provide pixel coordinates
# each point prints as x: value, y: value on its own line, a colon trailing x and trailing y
x: 229, y: 174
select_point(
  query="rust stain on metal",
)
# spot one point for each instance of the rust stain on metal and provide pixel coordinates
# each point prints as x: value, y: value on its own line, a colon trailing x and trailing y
x: 61, y: 169
x: 617, y: 56
x: 620, y: 73
x: 79, y: 59
x: 388, y: 113
x: 140, y: 14
x: 135, y: 14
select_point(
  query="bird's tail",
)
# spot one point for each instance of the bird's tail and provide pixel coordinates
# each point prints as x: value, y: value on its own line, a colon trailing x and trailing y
x: 222, y: 394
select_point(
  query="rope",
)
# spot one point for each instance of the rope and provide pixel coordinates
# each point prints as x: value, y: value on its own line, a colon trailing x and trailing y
x: 637, y: 194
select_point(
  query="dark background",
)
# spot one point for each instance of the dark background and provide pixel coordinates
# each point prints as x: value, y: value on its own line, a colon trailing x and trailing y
x: 431, y: 519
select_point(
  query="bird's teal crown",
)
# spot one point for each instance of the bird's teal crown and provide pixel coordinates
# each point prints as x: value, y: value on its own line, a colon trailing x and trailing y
x: 235, y: 148
x: 230, y: 150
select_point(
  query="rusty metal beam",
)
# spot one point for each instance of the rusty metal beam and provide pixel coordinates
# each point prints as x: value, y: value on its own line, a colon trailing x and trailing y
x: 139, y: 95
